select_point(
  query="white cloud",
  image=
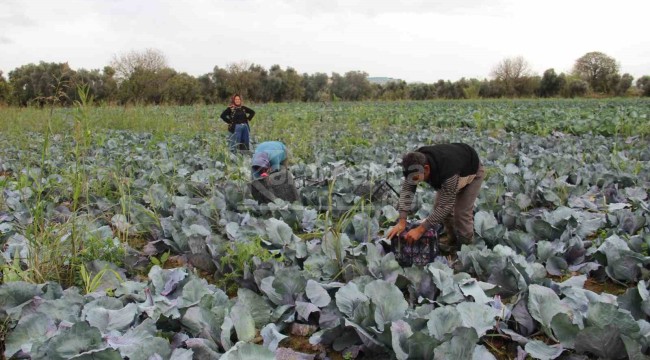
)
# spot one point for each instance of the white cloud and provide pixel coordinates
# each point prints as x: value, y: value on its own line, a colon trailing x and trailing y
x: 414, y: 40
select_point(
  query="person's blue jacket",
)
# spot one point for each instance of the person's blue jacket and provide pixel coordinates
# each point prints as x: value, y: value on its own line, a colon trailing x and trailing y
x: 268, y: 157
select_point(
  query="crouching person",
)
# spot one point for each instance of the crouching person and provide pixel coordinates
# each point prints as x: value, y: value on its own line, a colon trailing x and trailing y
x: 269, y: 156
x: 455, y: 172
x: 271, y: 177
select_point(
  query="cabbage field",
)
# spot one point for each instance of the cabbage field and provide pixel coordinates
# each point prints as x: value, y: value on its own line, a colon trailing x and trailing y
x: 131, y: 233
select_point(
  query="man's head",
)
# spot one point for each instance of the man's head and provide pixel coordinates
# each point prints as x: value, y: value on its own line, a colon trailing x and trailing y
x: 415, y: 166
x: 260, y: 164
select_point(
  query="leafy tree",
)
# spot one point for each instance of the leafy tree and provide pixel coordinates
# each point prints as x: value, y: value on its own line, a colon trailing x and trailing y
x: 421, y: 91
x: 643, y: 83
x: 284, y: 85
x: 575, y: 87
x: 472, y: 89
x: 181, y: 89
x: 551, y: 84
x: 45, y: 83
x: 337, y: 86
x: 245, y: 79
x: 449, y: 90
x: 464, y: 88
x: 89, y: 78
x: 214, y: 86
x: 393, y: 90
x: 358, y: 86
x: 274, y: 84
x: 597, y: 69
x: 315, y: 86
x: 5, y: 90
x: 101, y: 85
x: 110, y: 84
x: 220, y: 78
x: 293, y: 82
x: 145, y: 86
x: 134, y: 88
x: 492, y: 89
x: 623, y: 84
x: 256, y: 76
x: 353, y: 86
x: 207, y: 89
x: 511, y: 72
x: 527, y: 86
x: 141, y: 76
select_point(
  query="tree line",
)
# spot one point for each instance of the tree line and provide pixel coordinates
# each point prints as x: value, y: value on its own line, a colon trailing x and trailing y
x: 144, y: 77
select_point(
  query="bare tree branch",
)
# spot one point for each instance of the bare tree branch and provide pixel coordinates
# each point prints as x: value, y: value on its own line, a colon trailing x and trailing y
x: 148, y: 59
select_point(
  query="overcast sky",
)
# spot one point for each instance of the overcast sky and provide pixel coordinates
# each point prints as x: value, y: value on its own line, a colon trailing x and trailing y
x: 416, y: 40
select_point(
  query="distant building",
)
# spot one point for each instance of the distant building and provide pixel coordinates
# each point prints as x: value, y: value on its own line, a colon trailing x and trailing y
x: 381, y: 80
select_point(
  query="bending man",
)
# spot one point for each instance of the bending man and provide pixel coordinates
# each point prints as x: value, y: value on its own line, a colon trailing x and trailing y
x: 455, y: 172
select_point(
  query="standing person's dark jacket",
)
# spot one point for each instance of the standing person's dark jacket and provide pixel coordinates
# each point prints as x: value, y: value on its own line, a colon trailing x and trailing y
x: 234, y: 115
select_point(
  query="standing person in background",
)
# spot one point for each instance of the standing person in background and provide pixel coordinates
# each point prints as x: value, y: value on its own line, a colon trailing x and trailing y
x: 237, y: 117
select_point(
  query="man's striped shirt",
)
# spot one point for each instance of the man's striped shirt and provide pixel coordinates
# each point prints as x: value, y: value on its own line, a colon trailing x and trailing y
x: 446, y: 198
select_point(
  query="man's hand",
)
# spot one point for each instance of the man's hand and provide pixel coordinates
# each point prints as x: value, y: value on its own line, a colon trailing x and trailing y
x: 397, y: 229
x: 415, y: 234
